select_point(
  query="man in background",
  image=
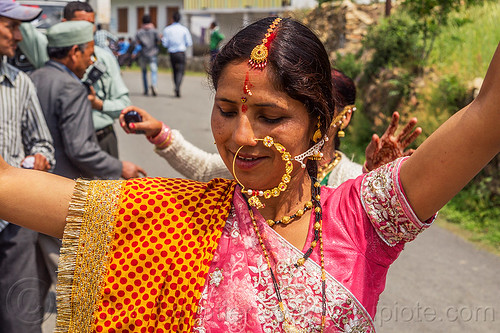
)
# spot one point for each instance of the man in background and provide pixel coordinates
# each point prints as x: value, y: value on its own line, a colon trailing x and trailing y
x: 216, y: 37
x: 104, y: 39
x: 67, y: 109
x: 24, y: 141
x: 176, y: 39
x: 148, y: 39
x: 109, y: 96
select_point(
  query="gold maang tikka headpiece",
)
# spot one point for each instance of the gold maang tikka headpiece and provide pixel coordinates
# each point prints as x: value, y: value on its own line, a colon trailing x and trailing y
x: 258, y: 57
x: 254, y: 200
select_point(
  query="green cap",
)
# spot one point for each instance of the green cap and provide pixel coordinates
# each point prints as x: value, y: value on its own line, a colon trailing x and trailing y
x: 70, y: 33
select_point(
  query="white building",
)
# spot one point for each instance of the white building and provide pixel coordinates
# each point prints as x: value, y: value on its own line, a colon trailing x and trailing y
x: 126, y: 15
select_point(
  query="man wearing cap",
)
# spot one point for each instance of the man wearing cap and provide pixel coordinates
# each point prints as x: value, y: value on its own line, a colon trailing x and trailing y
x: 23, y: 131
x: 110, y: 95
x: 68, y: 111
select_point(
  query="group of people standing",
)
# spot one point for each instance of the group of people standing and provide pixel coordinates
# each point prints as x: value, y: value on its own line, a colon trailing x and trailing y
x: 176, y: 39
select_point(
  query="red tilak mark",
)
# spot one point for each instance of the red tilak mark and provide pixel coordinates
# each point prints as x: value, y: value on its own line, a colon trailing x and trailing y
x: 247, y: 85
x: 244, y: 108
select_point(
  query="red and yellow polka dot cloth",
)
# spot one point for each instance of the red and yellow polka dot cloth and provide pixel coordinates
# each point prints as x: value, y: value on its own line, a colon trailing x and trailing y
x: 143, y: 269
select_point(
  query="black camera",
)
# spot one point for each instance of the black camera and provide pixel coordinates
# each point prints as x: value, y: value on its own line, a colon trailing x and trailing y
x: 94, y: 74
x: 133, y: 117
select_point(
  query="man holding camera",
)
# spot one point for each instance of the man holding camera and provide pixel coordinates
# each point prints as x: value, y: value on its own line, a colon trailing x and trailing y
x: 108, y: 93
x: 67, y: 109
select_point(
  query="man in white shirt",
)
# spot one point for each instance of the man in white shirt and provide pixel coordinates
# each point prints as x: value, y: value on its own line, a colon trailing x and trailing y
x: 176, y: 39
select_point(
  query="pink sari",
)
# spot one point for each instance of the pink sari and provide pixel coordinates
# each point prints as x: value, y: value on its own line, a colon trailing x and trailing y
x: 366, y: 222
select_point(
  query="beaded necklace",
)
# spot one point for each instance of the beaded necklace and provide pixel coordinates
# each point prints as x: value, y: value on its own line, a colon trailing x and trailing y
x: 288, y: 325
x: 288, y: 219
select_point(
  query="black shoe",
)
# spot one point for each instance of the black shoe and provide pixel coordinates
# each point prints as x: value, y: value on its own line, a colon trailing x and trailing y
x: 177, y: 93
x: 153, y: 91
x: 145, y: 93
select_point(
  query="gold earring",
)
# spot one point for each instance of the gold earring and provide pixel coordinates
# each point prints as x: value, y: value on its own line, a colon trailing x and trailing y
x: 317, y: 135
x: 341, y: 132
x: 254, y: 200
x: 339, y: 120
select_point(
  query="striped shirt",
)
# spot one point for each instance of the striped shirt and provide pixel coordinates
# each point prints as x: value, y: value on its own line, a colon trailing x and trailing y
x: 102, y: 38
x: 23, y: 130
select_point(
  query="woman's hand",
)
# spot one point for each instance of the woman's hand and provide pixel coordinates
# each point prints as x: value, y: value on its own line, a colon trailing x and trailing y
x: 389, y: 147
x: 149, y: 125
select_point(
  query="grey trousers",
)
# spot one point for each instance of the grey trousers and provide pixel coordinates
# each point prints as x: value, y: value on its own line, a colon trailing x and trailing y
x: 109, y: 143
x: 24, y: 281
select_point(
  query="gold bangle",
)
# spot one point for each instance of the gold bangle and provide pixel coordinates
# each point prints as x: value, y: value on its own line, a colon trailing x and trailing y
x: 166, y: 140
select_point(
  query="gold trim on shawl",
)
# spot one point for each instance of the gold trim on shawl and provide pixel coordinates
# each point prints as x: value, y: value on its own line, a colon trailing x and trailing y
x: 83, y: 260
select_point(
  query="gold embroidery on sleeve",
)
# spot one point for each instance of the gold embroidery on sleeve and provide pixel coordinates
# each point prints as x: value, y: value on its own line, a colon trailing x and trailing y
x: 83, y: 261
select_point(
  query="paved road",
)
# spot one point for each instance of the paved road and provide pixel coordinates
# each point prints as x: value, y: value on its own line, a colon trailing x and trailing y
x: 439, y: 284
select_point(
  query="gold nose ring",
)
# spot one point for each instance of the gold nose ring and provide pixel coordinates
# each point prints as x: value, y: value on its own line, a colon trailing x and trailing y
x: 254, y: 200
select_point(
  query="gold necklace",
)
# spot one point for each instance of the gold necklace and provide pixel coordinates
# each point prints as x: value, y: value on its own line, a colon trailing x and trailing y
x: 288, y: 219
x: 325, y: 170
x: 288, y: 325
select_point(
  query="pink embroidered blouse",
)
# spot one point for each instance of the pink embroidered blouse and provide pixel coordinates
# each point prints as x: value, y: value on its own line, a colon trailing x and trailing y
x: 366, y: 222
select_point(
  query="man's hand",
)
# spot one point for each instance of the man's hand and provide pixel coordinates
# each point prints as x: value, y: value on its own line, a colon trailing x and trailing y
x: 150, y: 125
x: 130, y: 170
x: 40, y: 162
x: 389, y: 147
x: 96, y: 102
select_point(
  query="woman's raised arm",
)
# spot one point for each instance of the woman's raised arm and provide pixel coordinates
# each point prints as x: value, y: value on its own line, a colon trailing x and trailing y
x: 456, y: 151
x: 34, y: 199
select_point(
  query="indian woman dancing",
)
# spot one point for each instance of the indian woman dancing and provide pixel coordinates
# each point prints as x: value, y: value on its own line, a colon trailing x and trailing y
x: 272, y: 250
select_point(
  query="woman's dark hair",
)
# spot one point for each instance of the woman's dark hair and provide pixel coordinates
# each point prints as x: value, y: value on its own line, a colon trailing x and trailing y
x: 344, y: 91
x: 297, y: 59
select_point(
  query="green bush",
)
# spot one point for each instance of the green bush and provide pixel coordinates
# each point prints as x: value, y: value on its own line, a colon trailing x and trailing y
x: 395, y: 42
x: 349, y: 65
x: 476, y: 209
x: 450, y: 94
x: 402, y: 85
x: 358, y: 136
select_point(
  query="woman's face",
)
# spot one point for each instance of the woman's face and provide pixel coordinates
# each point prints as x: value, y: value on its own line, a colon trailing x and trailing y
x: 247, y: 107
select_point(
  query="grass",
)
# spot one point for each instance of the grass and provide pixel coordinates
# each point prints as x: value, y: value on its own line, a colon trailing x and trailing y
x: 466, y: 46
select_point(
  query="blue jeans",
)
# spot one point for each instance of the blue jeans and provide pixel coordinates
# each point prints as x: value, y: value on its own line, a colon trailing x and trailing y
x: 153, y: 66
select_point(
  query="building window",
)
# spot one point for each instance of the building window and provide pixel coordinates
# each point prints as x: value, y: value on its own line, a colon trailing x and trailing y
x: 153, y: 12
x: 140, y: 14
x: 170, y: 14
x: 123, y: 20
